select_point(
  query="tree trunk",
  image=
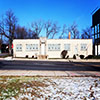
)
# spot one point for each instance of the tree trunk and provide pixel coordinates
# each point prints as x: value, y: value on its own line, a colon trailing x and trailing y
x: 10, y: 47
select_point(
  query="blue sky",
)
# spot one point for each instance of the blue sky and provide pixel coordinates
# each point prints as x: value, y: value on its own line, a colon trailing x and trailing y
x: 62, y: 11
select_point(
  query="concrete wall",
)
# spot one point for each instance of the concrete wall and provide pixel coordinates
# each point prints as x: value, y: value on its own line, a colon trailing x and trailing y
x: 74, y: 43
x: 24, y: 52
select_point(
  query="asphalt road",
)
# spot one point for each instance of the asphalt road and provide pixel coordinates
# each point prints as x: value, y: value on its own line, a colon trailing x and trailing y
x: 49, y: 65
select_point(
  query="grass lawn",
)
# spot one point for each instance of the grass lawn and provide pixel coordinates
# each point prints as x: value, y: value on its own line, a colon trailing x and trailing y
x: 49, y: 88
x: 13, y: 86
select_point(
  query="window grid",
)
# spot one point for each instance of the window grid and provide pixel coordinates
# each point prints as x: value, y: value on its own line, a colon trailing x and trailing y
x: 18, y: 47
x: 31, y: 47
x: 83, y: 47
x: 67, y: 47
x: 53, y: 47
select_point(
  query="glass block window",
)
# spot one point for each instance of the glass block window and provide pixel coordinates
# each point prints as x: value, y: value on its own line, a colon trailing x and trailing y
x: 18, y: 47
x: 67, y: 47
x: 83, y: 47
x: 31, y: 47
x: 53, y: 47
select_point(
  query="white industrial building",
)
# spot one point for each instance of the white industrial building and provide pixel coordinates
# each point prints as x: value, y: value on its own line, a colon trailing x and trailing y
x: 51, y: 48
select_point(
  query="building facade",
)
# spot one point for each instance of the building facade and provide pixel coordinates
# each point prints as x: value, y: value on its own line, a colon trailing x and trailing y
x: 96, y: 31
x: 51, y: 48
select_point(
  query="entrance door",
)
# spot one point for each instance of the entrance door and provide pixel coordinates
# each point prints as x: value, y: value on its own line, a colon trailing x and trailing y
x: 42, y: 48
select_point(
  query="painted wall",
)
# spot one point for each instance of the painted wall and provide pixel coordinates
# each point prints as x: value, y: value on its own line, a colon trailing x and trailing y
x: 75, y: 47
x: 74, y: 43
x: 25, y: 52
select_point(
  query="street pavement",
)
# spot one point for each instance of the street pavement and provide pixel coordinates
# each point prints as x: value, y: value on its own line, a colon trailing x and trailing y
x: 49, y: 68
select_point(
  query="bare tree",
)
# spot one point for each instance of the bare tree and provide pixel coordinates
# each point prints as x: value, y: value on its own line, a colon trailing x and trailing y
x: 0, y: 40
x: 55, y: 30
x: 49, y: 28
x: 10, y: 22
x: 0, y: 36
x: 37, y: 27
x: 0, y: 44
x: 21, y: 32
x: 32, y: 35
x: 74, y: 31
x: 29, y: 34
x: 35, y: 36
x: 2, y: 27
x: 7, y: 27
x: 64, y: 31
x: 87, y: 33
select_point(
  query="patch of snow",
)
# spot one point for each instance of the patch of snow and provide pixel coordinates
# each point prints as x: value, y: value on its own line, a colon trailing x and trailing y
x: 75, y: 88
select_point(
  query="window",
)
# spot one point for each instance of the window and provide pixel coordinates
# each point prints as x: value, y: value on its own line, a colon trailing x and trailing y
x: 83, y: 47
x: 31, y: 47
x: 67, y: 47
x: 98, y: 27
x: 53, y: 47
x: 18, y: 47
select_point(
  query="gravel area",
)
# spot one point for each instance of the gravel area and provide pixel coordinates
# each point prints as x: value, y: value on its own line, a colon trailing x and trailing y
x: 58, y: 88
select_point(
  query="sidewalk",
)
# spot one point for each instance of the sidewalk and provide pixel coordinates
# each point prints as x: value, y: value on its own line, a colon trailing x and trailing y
x: 63, y: 60
x: 49, y: 73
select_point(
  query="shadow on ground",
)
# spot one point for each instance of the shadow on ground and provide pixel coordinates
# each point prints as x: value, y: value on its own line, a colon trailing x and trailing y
x: 50, y: 65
